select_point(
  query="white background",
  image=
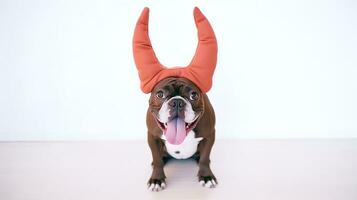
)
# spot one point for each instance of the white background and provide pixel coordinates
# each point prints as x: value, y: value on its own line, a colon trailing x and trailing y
x: 286, y: 69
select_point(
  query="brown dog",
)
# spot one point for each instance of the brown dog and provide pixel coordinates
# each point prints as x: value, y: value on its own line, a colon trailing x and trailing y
x: 180, y: 118
x: 181, y: 124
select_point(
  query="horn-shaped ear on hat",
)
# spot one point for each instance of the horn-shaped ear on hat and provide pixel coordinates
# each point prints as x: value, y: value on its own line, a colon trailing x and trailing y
x: 199, y: 71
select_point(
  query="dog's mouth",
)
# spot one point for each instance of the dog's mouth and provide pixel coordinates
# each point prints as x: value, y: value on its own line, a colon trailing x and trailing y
x: 176, y: 129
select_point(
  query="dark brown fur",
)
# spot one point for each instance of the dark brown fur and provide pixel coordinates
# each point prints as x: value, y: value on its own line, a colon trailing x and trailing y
x: 205, y: 128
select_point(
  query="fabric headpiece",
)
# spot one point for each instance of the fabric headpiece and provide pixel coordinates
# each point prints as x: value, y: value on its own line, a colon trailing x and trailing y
x: 199, y: 71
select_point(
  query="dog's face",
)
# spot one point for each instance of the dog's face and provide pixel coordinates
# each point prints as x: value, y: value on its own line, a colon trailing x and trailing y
x: 177, y: 105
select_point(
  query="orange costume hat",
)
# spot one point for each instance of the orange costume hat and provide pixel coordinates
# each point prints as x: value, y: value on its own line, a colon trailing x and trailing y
x: 199, y: 71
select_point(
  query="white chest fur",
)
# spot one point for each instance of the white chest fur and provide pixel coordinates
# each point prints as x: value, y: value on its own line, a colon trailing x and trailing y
x: 184, y: 150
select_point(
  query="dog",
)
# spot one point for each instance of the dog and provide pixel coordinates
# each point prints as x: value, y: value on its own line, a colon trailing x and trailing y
x: 181, y: 124
x: 180, y: 118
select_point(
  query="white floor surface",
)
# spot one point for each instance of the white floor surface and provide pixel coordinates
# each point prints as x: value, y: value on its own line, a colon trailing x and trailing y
x: 246, y: 169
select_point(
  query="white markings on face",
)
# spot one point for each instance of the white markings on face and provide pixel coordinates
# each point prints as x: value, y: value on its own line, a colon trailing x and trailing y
x: 190, y: 115
x: 164, y: 112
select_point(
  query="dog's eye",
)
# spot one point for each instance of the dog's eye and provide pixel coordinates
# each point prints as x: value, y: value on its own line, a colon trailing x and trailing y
x: 160, y: 94
x: 193, y: 96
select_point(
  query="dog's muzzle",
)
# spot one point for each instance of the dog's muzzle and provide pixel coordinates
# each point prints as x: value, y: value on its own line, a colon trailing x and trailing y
x: 176, y: 118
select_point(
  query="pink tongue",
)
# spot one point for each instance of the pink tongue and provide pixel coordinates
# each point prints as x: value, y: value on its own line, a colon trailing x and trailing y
x: 176, y: 131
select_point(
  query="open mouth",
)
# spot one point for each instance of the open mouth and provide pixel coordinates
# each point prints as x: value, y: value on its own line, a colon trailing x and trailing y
x: 188, y: 126
x: 176, y: 129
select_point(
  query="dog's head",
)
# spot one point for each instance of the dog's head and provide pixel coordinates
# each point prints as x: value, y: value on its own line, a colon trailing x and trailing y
x: 176, y: 104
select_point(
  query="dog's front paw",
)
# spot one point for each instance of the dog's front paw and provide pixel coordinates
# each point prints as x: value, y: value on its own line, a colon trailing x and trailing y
x: 156, y: 185
x: 208, y: 181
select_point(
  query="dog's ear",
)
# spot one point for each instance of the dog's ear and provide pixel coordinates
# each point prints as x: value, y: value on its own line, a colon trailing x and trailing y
x: 199, y: 71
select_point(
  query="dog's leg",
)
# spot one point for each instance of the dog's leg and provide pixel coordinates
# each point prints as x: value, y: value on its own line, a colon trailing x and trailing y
x: 205, y: 175
x: 157, y: 179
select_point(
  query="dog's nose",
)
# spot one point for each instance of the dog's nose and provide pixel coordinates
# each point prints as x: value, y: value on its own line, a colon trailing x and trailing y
x: 177, y: 104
